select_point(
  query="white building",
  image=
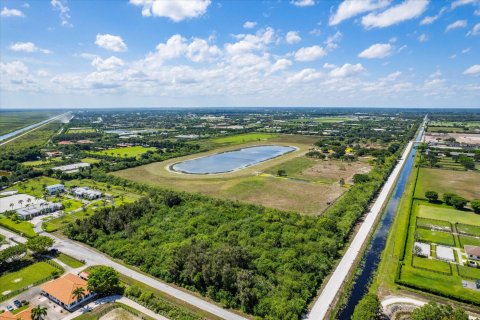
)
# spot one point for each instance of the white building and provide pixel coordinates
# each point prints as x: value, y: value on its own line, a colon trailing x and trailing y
x: 70, y: 168
x: 86, y: 193
x: 37, y: 209
x: 55, y: 188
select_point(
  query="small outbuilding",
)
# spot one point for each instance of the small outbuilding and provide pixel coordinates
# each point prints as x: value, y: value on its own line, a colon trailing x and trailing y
x: 473, y: 252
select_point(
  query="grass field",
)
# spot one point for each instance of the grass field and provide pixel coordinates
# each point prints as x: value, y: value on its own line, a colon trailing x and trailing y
x: 70, y: 261
x: 430, y: 264
x: 81, y: 130
x: 243, y: 138
x: 14, y: 120
x: 438, y: 237
x: 38, y: 163
x: 467, y: 240
x: 21, y: 227
x: 434, y: 224
x: 333, y: 119
x: 24, y: 277
x: 468, y: 229
x: 248, y: 185
x: 127, y: 152
x: 34, y: 187
x: 469, y: 273
x: 464, y: 184
x: 91, y: 160
x: 39, y: 137
x: 71, y: 204
x: 442, y: 212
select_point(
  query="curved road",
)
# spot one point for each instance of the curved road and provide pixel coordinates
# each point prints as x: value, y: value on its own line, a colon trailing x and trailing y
x: 327, y: 297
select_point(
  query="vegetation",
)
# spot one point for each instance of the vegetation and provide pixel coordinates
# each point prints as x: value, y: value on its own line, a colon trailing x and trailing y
x: 369, y: 308
x: 39, y: 312
x: 15, y: 280
x: 433, y: 311
x: 243, y: 138
x: 22, y: 227
x: 432, y: 196
x: 69, y: 261
x: 104, y: 281
x: 127, y: 152
x: 39, y: 244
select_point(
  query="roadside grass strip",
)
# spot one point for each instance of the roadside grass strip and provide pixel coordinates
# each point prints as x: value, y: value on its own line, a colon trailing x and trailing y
x: 70, y: 261
x: 432, y: 224
x: 432, y: 265
x: 438, y: 237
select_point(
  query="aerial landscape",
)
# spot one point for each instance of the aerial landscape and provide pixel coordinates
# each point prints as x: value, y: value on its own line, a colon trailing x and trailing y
x: 201, y: 159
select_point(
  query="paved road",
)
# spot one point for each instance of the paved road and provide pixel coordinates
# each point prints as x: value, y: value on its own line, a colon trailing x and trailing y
x: 334, y: 284
x: 93, y: 257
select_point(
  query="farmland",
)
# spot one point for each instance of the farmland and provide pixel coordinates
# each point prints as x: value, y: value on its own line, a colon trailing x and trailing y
x: 14, y: 120
x: 243, y: 138
x: 126, y: 152
x: 39, y: 137
x: 81, y: 130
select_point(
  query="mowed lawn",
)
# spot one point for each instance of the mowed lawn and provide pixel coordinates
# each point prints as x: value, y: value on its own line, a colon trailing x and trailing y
x: 21, y: 227
x: 127, y: 152
x: 34, y: 187
x: 24, y: 277
x: 440, y: 212
x: 463, y: 183
x: 243, y: 138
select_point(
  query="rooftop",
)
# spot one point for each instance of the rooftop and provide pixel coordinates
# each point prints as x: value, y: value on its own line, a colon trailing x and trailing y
x: 473, y: 250
x: 62, y: 288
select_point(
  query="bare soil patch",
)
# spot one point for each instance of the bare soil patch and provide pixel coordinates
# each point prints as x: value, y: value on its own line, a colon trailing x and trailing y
x: 119, y: 314
x: 335, y: 170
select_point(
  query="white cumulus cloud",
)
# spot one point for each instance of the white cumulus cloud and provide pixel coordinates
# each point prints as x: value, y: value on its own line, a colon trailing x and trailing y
x: 29, y: 47
x: 303, y: 3
x: 111, y: 42
x: 431, y: 19
x: 475, y: 30
x: 351, y: 8
x: 377, y: 51
x: 107, y: 64
x: 459, y: 3
x: 310, y: 53
x: 473, y: 70
x: 175, y: 10
x: 347, y: 70
x: 456, y: 25
x: 306, y: 75
x: 406, y: 10
x: 249, y: 24
x: 280, y: 64
x: 292, y: 37
x: 64, y: 11
x: 11, y: 13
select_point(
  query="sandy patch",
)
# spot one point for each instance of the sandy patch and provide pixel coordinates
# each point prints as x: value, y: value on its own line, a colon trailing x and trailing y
x: 6, y: 292
x: 119, y: 314
x: 336, y: 170
x: 17, y: 280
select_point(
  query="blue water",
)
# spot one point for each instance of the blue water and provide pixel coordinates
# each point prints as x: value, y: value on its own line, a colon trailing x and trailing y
x: 373, y: 254
x: 231, y: 160
x: 16, y: 132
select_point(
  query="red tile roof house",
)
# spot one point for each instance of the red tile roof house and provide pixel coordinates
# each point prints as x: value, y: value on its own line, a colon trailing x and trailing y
x: 473, y: 252
x: 60, y: 291
x: 22, y: 315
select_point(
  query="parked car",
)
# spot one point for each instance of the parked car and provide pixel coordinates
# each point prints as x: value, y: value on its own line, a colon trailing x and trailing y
x: 17, y: 303
x: 9, y: 308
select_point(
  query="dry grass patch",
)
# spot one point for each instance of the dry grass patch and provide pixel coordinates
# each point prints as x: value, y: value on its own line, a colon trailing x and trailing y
x: 334, y: 170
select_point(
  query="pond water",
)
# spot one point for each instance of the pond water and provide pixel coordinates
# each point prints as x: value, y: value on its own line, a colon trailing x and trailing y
x: 230, y: 160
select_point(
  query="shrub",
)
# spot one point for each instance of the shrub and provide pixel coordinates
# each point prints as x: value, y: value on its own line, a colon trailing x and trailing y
x: 369, y: 308
x: 432, y: 196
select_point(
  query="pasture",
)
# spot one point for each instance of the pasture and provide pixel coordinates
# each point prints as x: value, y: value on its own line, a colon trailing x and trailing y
x: 81, y: 130
x: 243, y: 138
x: 14, y: 120
x: 257, y: 184
x: 126, y: 152
x: 463, y: 183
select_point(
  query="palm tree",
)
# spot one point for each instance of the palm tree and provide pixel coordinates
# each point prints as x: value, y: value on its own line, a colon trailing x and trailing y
x: 29, y: 200
x: 39, y: 312
x: 78, y: 293
x: 20, y: 202
x: 12, y: 205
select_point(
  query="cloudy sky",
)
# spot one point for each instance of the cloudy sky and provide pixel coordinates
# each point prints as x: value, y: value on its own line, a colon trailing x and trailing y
x: 189, y: 53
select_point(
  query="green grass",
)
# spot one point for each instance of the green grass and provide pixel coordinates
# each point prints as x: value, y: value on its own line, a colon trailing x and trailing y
x: 293, y: 167
x: 468, y: 229
x: 39, y: 137
x: 91, y: 160
x: 430, y: 264
x: 438, y: 237
x: 434, y: 224
x: 463, y: 183
x: 70, y: 261
x: 14, y: 120
x: 61, y: 222
x: 243, y: 138
x: 38, y: 163
x: 333, y: 119
x: 470, y: 241
x: 469, y: 272
x: 21, y: 227
x: 34, y: 187
x: 127, y: 152
x: 443, y: 212
x: 81, y: 130
x: 71, y: 204
x: 18, y: 310
x: 24, y: 277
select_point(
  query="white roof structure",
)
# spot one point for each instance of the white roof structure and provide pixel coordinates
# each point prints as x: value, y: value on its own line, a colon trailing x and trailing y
x: 424, y: 248
x: 14, y: 199
x: 71, y: 167
x: 445, y: 253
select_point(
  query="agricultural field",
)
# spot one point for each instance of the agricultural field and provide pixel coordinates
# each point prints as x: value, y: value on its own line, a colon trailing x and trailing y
x: 332, y: 119
x: 243, y: 138
x: 257, y: 184
x: 464, y: 184
x: 127, y: 152
x: 17, y: 280
x: 14, y: 120
x: 91, y: 160
x: 80, y: 130
x: 39, y: 163
x: 38, y: 137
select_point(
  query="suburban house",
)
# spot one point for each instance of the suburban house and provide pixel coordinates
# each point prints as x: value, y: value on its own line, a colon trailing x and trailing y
x: 55, y: 188
x: 22, y: 315
x: 71, y: 168
x: 86, y: 193
x: 60, y: 291
x: 473, y: 252
x: 37, y: 209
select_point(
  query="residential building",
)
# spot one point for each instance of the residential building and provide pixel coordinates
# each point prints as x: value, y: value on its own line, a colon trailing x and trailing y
x: 36, y: 209
x: 86, y: 193
x: 70, y: 168
x: 60, y: 291
x: 473, y: 252
x: 22, y: 315
x: 55, y: 188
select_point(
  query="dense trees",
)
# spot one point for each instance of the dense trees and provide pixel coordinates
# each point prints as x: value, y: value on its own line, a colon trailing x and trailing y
x: 369, y: 308
x: 433, y: 311
x: 39, y: 244
x: 12, y: 254
x: 104, y: 280
x: 432, y: 196
x: 475, y: 204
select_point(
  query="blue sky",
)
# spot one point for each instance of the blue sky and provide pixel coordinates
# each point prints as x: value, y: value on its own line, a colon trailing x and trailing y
x: 194, y: 53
